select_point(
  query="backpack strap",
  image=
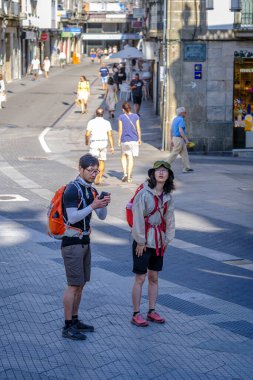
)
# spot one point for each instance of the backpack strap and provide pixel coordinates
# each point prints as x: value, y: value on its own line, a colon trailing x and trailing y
x: 82, y: 200
x: 158, y: 229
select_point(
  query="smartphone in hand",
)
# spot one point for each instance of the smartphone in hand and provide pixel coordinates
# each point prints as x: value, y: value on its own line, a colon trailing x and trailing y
x: 103, y: 194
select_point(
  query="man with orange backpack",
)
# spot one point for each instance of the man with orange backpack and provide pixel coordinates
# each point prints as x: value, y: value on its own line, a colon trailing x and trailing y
x: 153, y: 228
x: 79, y: 200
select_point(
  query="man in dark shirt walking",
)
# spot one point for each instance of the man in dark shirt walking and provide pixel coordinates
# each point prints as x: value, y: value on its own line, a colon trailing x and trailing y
x: 136, y: 87
x: 79, y: 200
x: 104, y: 75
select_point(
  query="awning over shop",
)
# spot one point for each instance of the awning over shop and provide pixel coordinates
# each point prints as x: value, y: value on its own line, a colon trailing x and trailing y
x: 116, y: 36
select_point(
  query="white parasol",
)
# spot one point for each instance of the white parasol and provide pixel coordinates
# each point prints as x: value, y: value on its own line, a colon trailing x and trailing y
x: 128, y: 52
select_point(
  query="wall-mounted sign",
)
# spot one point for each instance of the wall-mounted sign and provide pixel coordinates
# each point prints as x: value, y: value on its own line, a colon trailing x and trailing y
x: 72, y: 30
x: 138, y: 12
x: 44, y: 36
x: 198, y: 71
x: 136, y: 24
x: 195, y: 52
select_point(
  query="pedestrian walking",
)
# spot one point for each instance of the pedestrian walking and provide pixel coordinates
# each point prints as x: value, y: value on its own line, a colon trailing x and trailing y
x: 98, y: 132
x: 2, y: 91
x: 121, y: 74
x: 129, y: 138
x: 35, y: 67
x: 76, y: 251
x: 136, y: 85
x: 92, y: 55
x: 46, y: 66
x: 83, y: 93
x: 104, y: 75
x: 152, y: 231
x: 62, y: 58
x: 115, y: 74
x: 111, y: 97
x: 179, y: 140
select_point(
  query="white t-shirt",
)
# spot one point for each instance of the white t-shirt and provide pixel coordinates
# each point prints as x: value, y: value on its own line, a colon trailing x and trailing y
x: 99, y: 127
x: 36, y: 64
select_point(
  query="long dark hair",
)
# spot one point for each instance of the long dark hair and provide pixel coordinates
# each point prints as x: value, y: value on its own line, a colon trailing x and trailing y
x: 167, y: 187
x: 110, y: 81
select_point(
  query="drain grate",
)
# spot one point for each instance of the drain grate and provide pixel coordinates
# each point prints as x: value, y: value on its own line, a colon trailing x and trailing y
x: 242, y: 328
x: 183, y: 306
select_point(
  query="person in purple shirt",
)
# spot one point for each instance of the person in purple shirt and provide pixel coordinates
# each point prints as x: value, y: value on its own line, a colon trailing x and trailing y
x: 129, y: 140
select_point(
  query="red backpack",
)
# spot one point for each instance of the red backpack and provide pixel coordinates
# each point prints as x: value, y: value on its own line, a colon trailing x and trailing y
x: 58, y: 226
x: 158, y: 228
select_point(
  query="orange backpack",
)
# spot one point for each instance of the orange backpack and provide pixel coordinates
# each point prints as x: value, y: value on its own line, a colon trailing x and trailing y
x: 58, y: 226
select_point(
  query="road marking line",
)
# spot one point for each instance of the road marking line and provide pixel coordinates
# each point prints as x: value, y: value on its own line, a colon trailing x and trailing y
x: 42, y: 141
x: 22, y: 180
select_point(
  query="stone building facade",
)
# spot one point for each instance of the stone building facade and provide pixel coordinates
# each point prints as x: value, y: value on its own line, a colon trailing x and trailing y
x: 208, y: 66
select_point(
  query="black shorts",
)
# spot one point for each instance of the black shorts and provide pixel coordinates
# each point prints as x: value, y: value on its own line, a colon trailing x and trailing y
x: 137, y: 99
x: 149, y: 260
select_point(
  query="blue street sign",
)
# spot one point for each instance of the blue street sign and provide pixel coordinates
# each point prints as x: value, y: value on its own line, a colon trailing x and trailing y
x: 198, y: 67
x: 198, y: 75
x: 72, y: 30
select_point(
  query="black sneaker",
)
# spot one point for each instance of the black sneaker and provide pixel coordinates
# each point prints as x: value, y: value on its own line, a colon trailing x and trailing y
x: 80, y: 326
x: 73, y: 333
x: 124, y: 178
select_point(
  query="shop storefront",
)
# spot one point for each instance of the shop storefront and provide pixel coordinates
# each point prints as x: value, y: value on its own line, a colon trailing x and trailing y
x: 243, y: 103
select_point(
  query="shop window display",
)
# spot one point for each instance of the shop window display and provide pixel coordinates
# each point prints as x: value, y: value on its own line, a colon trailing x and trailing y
x: 243, y: 103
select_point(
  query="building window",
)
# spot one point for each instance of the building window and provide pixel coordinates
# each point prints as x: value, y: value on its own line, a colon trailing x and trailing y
x: 247, y: 13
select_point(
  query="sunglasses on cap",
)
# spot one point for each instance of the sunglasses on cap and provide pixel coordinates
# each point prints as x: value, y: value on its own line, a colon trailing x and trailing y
x: 158, y: 164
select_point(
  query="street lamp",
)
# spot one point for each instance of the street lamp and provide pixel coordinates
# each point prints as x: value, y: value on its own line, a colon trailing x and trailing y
x: 235, y: 5
x: 209, y: 5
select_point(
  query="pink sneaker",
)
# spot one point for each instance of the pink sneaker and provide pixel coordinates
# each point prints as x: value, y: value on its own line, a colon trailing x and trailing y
x: 139, y: 321
x: 155, y: 317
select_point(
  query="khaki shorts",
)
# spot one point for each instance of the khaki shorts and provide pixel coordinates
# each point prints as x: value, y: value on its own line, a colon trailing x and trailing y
x: 98, y: 151
x: 130, y: 148
x: 77, y: 262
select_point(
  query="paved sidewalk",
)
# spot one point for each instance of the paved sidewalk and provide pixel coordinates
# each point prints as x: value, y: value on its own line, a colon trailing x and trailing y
x: 205, y: 288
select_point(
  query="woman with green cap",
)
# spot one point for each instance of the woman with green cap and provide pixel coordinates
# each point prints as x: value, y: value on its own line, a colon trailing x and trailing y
x: 152, y: 231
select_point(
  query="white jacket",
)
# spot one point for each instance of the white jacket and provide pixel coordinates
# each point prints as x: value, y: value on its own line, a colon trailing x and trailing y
x: 143, y: 205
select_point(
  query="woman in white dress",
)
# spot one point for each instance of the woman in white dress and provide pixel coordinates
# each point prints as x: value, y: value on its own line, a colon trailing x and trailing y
x: 2, y: 91
x: 111, y: 96
x: 83, y: 92
x: 46, y: 66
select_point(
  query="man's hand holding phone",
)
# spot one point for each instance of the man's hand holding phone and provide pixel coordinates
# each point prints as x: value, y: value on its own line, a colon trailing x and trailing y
x: 101, y: 200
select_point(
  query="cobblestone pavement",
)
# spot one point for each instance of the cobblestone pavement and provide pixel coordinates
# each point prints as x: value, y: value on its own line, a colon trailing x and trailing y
x: 205, y: 289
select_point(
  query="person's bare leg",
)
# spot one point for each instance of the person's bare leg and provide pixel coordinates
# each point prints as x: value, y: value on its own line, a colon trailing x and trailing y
x: 152, y: 288
x: 137, y: 291
x: 124, y: 164
x: 77, y: 300
x: 82, y: 105
x: 69, y: 301
x: 98, y: 179
x: 130, y: 167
